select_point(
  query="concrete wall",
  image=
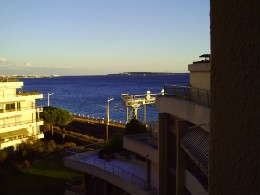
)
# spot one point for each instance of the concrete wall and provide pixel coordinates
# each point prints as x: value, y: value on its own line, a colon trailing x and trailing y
x: 141, y: 148
x: 155, y: 175
x: 234, y: 161
x: 192, y: 184
x: 200, y: 80
x: 189, y: 111
x: 200, y: 75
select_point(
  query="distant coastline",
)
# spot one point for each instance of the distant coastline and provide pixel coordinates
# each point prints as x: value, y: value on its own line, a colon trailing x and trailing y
x: 30, y: 76
x: 147, y: 73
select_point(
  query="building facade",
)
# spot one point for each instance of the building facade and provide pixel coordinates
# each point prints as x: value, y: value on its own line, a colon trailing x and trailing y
x: 184, y: 133
x: 19, y: 116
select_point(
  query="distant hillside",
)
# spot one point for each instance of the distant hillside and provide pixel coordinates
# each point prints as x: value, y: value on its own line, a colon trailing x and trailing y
x: 147, y: 73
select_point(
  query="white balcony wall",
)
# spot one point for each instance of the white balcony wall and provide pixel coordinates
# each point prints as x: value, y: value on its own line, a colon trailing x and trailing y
x: 189, y: 111
x: 141, y: 147
x: 19, y: 98
x: 200, y: 75
x: 16, y: 113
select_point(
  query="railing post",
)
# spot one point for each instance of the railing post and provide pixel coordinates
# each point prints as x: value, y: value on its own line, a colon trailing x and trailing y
x: 207, y: 98
x: 198, y: 94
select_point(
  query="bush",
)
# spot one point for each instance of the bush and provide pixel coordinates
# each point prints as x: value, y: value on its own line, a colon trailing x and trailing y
x: 58, y: 148
x: 50, y: 146
x: 3, y: 156
x: 69, y: 145
x: 114, y: 145
x: 26, y: 164
x: 135, y: 127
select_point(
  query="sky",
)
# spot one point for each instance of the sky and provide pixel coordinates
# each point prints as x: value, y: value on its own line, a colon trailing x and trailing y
x: 97, y: 37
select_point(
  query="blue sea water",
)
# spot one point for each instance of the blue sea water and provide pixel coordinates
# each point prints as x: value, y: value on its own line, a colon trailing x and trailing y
x: 87, y: 95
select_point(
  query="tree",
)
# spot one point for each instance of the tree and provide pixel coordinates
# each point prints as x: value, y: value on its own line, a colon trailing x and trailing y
x: 63, y: 117
x: 135, y: 127
x: 56, y: 116
x: 49, y: 116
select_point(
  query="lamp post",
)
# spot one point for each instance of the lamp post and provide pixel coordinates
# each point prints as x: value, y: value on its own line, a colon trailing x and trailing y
x: 49, y: 98
x: 107, y: 117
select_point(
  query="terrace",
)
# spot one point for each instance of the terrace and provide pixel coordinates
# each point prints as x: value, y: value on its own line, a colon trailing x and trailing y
x: 191, y: 94
x: 189, y: 103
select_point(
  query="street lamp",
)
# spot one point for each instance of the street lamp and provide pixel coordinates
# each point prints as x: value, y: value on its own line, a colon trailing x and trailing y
x: 107, y: 117
x: 49, y: 98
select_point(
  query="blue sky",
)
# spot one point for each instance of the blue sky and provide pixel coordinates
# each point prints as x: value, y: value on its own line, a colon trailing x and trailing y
x: 95, y: 37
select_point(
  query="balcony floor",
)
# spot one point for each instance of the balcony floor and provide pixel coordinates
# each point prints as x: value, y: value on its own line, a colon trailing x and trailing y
x: 114, y: 164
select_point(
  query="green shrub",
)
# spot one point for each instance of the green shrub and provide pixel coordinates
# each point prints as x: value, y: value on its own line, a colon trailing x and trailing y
x: 26, y: 164
x: 50, y: 146
x: 69, y: 145
x: 3, y: 156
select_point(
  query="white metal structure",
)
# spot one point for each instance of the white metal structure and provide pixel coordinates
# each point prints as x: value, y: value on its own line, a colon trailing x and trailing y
x: 135, y: 101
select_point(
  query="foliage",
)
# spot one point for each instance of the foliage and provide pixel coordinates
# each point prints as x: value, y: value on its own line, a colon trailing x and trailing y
x: 3, y: 155
x: 44, y: 177
x: 116, y: 144
x: 135, y: 127
x: 36, y: 149
x: 69, y: 145
x: 24, y: 93
x: 56, y: 116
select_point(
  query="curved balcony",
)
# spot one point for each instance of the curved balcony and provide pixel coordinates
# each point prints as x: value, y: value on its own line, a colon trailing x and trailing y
x: 126, y: 175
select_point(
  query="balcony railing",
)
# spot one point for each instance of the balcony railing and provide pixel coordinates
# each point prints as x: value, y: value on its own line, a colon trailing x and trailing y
x: 195, y: 95
x: 8, y: 79
x: 21, y: 109
x: 115, y: 170
x: 20, y: 123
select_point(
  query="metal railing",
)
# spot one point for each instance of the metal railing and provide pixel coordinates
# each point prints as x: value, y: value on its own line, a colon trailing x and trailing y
x: 20, y: 109
x: 115, y: 170
x: 195, y: 95
x: 8, y: 79
x: 17, y: 95
x: 20, y: 123
x: 97, y: 120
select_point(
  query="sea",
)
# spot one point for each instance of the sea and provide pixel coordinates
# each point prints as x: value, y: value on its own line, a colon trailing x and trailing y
x: 87, y: 96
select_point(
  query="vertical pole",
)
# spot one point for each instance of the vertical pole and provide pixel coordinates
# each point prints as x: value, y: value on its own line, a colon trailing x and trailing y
x: 144, y: 114
x: 107, y: 120
x: 48, y: 99
x: 127, y: 117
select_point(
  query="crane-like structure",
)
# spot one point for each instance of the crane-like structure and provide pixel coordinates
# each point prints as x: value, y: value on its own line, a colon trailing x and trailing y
x: 135, y: 101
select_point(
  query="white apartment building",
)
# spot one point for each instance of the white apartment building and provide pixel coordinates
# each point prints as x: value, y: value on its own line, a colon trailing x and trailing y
x: 19, y: 116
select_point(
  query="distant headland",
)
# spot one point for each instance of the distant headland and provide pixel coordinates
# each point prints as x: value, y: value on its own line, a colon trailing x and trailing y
x: 147, y: 73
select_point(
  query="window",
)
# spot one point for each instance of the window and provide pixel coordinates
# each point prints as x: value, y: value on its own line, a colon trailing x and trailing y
x: 10, y: 107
